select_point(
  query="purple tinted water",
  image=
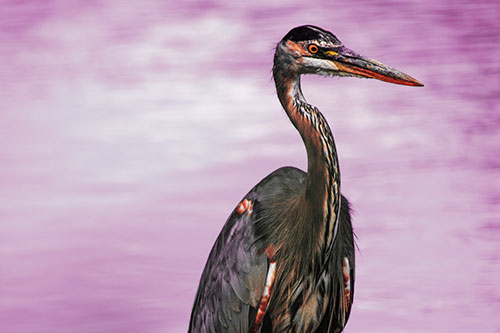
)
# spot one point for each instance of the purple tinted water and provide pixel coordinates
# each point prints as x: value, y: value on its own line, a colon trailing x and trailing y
x: 129, y: 132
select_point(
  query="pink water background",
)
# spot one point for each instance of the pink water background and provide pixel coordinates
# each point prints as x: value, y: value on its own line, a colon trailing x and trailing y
x: 130, y: 130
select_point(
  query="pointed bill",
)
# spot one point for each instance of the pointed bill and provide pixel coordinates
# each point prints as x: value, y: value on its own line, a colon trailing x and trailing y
x: 351, y: 63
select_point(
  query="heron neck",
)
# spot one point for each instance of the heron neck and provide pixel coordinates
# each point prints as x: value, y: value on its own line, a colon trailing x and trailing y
x: 322, y: 189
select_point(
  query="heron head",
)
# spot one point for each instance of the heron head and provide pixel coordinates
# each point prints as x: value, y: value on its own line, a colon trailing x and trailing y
x: 311, y: 50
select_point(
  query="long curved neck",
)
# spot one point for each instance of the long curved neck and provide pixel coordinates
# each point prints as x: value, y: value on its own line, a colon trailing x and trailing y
x: 321, y: 193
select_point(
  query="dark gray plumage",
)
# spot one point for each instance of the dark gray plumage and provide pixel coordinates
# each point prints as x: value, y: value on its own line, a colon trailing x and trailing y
x: 227, y: 299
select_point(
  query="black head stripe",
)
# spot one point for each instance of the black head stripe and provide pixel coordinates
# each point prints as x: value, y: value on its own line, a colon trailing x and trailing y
x: 310, y: 32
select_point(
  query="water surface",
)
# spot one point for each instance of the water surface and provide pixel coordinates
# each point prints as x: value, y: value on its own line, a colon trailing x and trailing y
x: 129, y: 132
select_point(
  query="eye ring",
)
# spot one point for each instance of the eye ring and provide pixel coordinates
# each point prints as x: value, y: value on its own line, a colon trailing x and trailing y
x: 313, y: 48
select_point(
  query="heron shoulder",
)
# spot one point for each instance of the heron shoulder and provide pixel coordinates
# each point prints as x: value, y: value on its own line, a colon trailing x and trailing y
x: 281, y: 183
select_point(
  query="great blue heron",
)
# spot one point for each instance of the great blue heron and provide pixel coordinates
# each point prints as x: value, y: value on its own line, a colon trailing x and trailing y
x: 284, y: 260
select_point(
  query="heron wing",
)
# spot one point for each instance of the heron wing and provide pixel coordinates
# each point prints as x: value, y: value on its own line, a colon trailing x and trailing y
x: 233, y: 280
x: 345, y: 252
x: 341, y: 274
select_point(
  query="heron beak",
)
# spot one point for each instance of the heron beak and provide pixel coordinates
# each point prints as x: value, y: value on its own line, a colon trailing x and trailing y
x: 349, y: 62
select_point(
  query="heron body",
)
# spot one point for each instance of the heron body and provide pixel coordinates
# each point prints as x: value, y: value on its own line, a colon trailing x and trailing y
x: 284, y: 260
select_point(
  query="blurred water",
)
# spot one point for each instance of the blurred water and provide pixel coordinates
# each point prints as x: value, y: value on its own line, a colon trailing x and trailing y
x: 129, y: 132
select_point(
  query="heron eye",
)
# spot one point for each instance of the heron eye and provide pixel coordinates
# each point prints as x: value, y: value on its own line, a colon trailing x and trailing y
x: 312, y: 48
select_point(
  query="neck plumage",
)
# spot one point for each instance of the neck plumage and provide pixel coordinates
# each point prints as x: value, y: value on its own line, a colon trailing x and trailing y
x: 321, y: 194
